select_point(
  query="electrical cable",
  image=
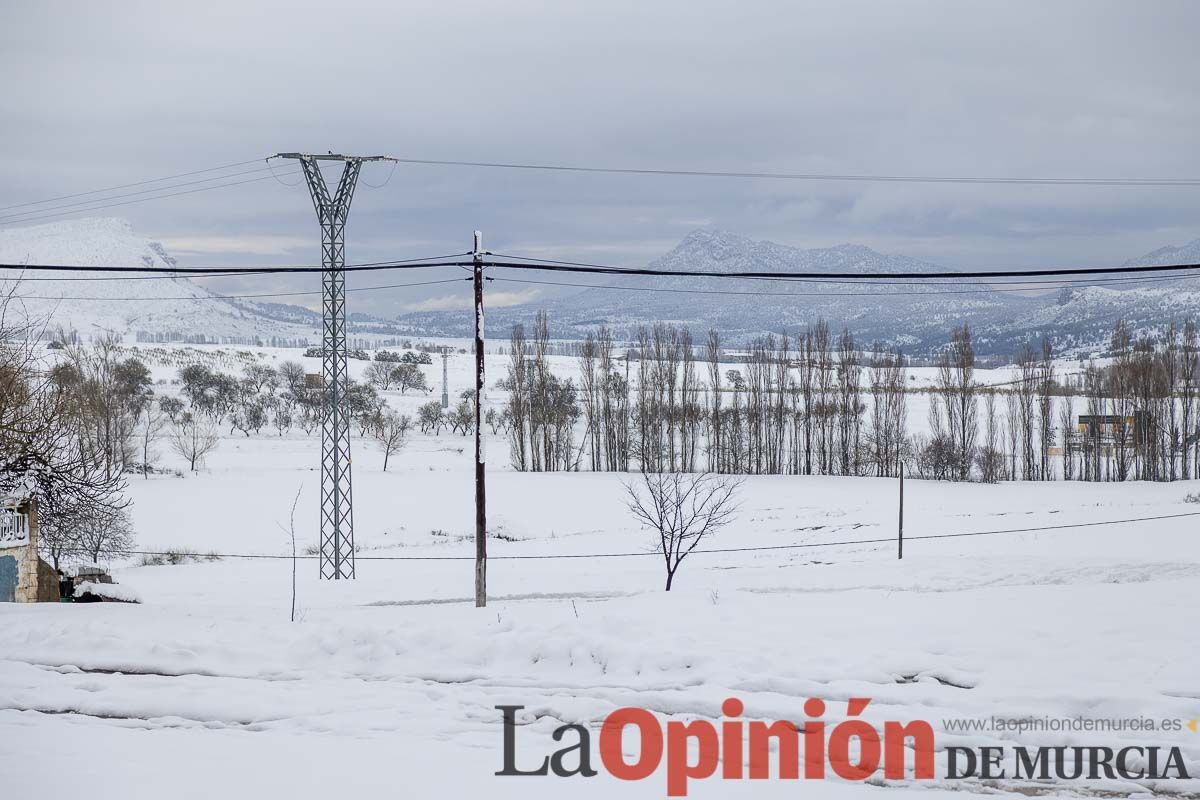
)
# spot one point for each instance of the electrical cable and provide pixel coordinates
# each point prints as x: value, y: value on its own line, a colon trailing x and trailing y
x: 365, y: 182
x: 813, y: 176
x: 599, y: 269
x: 981, y: 290
x: 643, y: 553
x: 245, y: 296
x: 139, y: 200
x: 215, y: 273
x: 653, y: 272
x: 124, y: 195
x: 129, y: 185
x: 227, y: 271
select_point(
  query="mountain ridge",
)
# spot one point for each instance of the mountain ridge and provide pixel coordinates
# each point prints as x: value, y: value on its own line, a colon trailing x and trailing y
x: 912, y: 316
x: 916, y: 317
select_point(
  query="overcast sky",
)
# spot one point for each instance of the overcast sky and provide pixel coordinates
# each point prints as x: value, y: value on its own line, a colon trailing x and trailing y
x: 98, y: 94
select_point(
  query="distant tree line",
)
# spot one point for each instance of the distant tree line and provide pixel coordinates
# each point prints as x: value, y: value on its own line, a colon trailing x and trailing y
x: 822, y: 404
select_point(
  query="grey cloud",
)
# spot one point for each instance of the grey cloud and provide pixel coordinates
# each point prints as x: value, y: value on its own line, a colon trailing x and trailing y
x: 114, y: 92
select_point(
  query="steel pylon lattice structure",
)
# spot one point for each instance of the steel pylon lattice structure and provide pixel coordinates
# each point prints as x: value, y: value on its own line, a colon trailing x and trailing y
x: 337, y: 508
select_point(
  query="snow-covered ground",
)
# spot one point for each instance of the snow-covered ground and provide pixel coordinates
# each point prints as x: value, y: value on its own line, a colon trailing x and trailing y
x: 389, y: 683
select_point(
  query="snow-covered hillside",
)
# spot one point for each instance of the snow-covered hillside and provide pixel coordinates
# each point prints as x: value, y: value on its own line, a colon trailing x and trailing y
x: 916, y: 317
x: 171, y: 308
x: 1185, y: 254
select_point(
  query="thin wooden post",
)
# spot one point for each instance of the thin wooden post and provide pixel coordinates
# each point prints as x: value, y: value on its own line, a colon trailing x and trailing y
x: 480, y: 473
x: 900, y: 538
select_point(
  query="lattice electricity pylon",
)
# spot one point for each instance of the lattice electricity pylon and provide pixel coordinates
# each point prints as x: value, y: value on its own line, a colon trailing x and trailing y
x: 337, y: 510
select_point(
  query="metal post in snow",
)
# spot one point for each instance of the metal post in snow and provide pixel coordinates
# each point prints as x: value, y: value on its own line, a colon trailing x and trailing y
x: 900, y: 540
x: 445, y: 378
x: 480, y: 487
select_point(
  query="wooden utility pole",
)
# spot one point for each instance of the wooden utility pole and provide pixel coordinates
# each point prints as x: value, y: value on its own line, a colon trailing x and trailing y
x: 480, y: 487
x: 900, y: 540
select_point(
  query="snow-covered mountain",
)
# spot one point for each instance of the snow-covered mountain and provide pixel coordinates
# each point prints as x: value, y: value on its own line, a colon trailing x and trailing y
x: 173, y: 308
x: 915, y: 317
x: 137, y: 307
x: 1187, y: 254
x: 1084, y: 316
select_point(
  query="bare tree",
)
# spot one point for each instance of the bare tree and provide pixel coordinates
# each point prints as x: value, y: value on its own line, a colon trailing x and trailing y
x: 805, y: 390
x: 712, y: 357
x: 956, y: 379
x: 153, y: 421
x: 192, y: 439
x: 1013, y: 405
x: 1172, y: 362
x: 103, y: 532
x: 589, y: 393
x: 1045, y: 388
x: 825, y: 409
x: 379, y: 374
x: 45, y: 445
x: 1066, y: 417
x: 57, y: 537
x: 518, y: 411
x: 1122, y: 396
x: 1026, y: 391
x: 430, y: 417
x: 261, y: 378
x: 886, y: 378
x: 1092, y: 436
x: 683, y: 509
x: 991, y: 457
x: 293, y: 377
x: 1188, y: 373
x: 409, y: 376
x: 849, y: 404
x: 291, y: 531
x: 391, y: 434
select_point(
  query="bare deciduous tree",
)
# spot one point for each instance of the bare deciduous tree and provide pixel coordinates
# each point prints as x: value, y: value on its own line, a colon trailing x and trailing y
x: 45, y: 445
x: 104, y: 532
x: 1189, y: 352
x: 151, y: 426
x: 192, y: 439
x: 391, y: 434
x: 409, y: 376
x: 957, y: 383
x: 379, y: 374
x: 991, y: 456
x: 683, y: 509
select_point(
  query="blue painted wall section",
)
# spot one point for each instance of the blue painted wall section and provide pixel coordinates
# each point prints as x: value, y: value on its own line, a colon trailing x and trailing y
x: 8, y: 579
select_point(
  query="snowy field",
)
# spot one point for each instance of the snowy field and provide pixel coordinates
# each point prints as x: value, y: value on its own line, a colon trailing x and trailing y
x: 389, y: 684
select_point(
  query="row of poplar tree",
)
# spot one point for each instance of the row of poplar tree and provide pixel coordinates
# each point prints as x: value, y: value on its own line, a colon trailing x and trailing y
x: 820, y: 403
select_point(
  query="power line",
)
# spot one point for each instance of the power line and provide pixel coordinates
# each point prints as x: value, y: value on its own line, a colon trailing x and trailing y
x: 644, y: 553
x: 385, y: 183
x: 579, y: 267
x: 599, y: 269
x: 139, y: 200
x: 905, y: 279
x: 129, y: 185
x: 877, y: 178
x: 813, y: 176
x: 124, y: 195
x: 174, y: 273
x: 240, y: 296
x: 983, y: 289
